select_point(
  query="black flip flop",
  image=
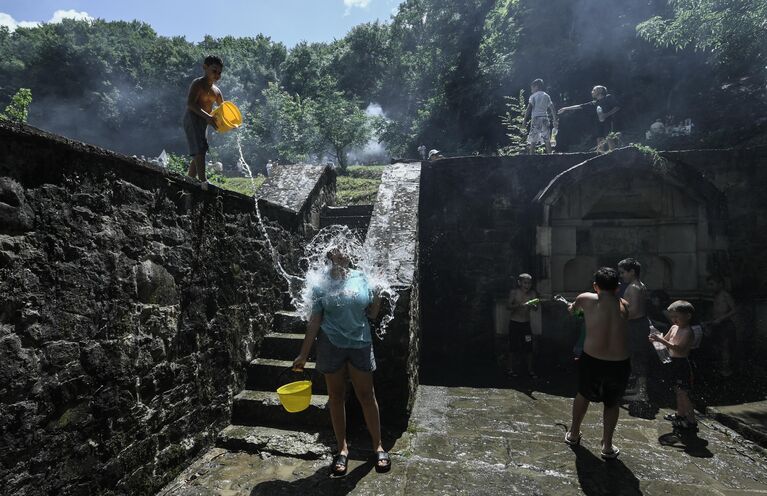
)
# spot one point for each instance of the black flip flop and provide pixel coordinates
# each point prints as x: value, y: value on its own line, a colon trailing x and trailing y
x: 339, y: 459
x: 379, y: 457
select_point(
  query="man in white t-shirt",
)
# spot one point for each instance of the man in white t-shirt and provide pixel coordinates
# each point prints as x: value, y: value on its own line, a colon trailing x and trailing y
x: 537, y: 114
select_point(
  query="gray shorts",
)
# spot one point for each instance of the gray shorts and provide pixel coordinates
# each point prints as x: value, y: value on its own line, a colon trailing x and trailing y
x: 331, y: 358
x: 540, y: 131
x: 196, y: 129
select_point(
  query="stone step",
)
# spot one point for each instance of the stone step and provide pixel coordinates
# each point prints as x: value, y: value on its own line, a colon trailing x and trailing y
x: 309, y: 444
x: 288, y: 322
x: 264, y: 408
x: 281, y: 346
x: 264, y: 375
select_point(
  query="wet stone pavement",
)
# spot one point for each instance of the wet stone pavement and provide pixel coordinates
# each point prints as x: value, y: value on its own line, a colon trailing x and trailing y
x: 467, y: 441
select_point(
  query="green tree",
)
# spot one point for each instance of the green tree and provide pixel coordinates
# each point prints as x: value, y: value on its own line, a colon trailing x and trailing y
x: 342, y: 124
x: 18, y: 109
x: 513, y: 122
x: 732, y: 31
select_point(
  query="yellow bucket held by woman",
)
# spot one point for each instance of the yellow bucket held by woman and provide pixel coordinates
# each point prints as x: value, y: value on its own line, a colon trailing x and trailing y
x: 227, y: 117
x: 295, y: 396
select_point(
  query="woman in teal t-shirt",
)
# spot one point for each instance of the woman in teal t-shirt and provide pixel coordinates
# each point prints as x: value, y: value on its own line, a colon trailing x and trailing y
x: 339, y: 322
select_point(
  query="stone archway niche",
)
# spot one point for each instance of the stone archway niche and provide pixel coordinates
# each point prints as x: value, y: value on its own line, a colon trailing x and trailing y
x: 620, y: 205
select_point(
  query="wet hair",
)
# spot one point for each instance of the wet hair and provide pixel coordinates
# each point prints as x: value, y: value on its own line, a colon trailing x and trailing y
x: 682, y: 306
x: 525, y: 276
x: 538, y: 83
x: 213, y: 59
x: 606, y: 278
x: 601, y: 90
x: 628, y: 264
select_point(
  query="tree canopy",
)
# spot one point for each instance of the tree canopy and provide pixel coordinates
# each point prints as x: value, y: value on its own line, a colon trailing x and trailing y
x: 441, y: 70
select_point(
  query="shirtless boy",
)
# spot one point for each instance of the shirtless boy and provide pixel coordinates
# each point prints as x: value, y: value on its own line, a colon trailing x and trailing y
x: 203, y: 93
x: 604, y: 367
x: 629, y: 270
x: 679, y: 340
x: 520, y: 332
x: 723, y: 326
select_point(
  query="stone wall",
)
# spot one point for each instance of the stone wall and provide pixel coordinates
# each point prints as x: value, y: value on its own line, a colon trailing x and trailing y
x: 295, y: 195
x: 131, y: 301
x: 392, y: 239
x: 479, y: 219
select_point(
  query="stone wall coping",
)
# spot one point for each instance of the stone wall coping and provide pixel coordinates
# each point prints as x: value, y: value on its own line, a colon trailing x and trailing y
x: 290, y: 190
x: 116, y: 161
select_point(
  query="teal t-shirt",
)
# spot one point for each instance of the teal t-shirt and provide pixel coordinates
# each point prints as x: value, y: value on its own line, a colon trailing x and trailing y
x: 343, y: 304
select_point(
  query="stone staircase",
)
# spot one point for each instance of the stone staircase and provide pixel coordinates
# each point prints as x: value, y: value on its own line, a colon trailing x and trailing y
x: 355, y: 217
x: 259, y: 422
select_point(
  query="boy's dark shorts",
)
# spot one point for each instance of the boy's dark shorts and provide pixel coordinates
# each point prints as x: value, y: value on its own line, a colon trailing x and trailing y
x: 331, y: 358
x: 680, y: 372
x: 520, y: 337
x: 196, y: 128
x: 603, y: 380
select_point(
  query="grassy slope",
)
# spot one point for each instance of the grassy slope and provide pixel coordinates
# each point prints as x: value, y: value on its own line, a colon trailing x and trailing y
x: 360, y: 186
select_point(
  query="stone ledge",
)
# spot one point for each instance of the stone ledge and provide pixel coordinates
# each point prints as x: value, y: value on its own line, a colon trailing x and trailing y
x: 749, y: 420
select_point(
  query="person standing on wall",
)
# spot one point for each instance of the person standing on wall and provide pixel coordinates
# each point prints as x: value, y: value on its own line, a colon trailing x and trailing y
x: 606, y: 106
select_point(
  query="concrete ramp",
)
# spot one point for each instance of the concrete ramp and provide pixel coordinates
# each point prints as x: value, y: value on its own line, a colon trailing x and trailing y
x: 393, y: 232
x: 392, y: 239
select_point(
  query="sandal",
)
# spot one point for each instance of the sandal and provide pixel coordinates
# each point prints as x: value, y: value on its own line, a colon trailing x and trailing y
x: 382, y: 456
x: 610, y: 455
x: 572, y: 442
x: 671, y: 417
x: 339, y: 460
x: 685, y: 423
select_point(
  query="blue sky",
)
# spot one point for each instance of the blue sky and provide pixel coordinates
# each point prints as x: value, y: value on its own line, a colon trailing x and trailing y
x: 288, y: 21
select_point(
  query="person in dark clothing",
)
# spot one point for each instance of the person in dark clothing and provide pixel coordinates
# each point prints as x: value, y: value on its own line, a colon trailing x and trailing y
x: 606, y: 106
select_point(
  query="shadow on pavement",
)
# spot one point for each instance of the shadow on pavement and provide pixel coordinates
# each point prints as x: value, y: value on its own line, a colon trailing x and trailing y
x: 687, y: 441
x: 318, y: 484
x: 603, y: 478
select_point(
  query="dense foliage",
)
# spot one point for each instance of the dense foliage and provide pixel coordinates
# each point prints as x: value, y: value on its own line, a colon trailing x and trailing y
x: 441, y: 70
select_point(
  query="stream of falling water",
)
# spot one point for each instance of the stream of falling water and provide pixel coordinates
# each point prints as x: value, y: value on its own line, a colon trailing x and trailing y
x: 317, y: 275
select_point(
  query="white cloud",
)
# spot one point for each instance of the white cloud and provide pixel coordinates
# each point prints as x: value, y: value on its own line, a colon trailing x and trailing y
x: 350, y: 4
x: 356, y: 3
x: 60, y: 15
x: 8, y: 21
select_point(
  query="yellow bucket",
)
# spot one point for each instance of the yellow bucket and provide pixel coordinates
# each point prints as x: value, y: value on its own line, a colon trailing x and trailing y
x: 227, y: 117
x: 295, y: 396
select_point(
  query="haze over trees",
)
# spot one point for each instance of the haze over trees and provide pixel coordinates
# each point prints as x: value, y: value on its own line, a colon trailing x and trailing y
x: 441, y: 71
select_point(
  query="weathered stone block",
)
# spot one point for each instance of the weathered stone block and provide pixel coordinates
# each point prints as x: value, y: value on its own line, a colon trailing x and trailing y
x: 154, y: 284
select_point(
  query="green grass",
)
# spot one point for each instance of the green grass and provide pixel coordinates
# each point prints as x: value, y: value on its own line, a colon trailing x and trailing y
x: 355, y: 191
x: 358, y: 187
x: 241, y: 185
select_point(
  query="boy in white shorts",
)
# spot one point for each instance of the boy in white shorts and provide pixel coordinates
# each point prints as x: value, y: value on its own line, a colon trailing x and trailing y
x: 537, y: 114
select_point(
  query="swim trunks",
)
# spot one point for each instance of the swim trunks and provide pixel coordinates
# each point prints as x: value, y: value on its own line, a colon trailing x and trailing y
x: 520, y: 337
x: 602, y: 380
x: 196, y: 128
x: 680, y: 373
x: 540, y: 131
x: 639, y: 345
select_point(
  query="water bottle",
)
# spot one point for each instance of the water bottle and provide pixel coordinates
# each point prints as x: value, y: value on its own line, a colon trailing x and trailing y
x: 660, y: 348
x: 554, y: 137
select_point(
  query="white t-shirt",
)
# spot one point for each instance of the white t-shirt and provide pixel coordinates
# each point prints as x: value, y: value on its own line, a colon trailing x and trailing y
x: 541, y: 101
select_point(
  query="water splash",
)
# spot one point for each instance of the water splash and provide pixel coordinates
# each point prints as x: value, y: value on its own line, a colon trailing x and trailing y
x: 316, y: 267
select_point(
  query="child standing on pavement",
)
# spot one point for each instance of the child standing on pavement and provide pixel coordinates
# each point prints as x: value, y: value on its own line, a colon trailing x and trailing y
x: 521, y: 301
x: 679, y: 340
